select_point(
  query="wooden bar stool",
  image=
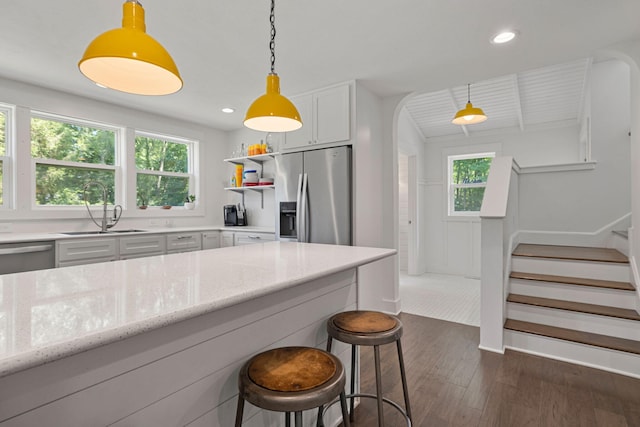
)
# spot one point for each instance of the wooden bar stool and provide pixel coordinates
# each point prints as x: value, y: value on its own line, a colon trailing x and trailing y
x: 369, y: 328
x: 291, y: 379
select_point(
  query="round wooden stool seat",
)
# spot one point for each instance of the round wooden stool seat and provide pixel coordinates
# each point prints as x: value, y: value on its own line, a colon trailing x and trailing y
x: 369, y: 328
x: 292, y: 369
x: 363, y: 327
x: 291, y: 380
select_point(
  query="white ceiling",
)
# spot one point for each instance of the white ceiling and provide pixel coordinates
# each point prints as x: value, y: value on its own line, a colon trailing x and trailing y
x: 549, y: 95
x: 393, y: 47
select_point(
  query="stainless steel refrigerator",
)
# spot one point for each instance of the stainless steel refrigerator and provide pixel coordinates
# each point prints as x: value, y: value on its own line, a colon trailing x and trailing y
x: 313, y: 196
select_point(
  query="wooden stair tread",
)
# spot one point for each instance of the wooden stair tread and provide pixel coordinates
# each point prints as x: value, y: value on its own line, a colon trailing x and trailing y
x: 578, y: 253
x: 601, y: 310
x: 612, y: 343
x: 609, y: 284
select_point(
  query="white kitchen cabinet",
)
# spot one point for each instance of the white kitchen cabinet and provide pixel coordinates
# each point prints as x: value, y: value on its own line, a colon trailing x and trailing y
x: 184, y: 242
x: 211, y: 240
x: 246, y: 238
x: 226, y: 239
x: 142, y: 246
x: 326, y: 117
x: 85, y: 251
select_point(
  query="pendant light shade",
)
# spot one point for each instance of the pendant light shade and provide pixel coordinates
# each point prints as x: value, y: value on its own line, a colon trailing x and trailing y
x: 272, y: 112
x: 129, y: 60
x: 469, y: 115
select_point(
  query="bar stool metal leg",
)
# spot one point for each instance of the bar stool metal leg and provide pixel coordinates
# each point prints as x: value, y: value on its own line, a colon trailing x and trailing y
x: 298, y: 417
x: 403, y: 376
x: 376, y: 353
x: 287, y: 419
x: 354, y: 349
x: 239, y: 411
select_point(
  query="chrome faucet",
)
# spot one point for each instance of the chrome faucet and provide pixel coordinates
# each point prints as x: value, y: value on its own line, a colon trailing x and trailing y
x: 104, y: 225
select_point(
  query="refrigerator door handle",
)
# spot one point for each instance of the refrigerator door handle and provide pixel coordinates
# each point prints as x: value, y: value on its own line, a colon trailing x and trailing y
x: 299, y: 209
x: 304, y: 210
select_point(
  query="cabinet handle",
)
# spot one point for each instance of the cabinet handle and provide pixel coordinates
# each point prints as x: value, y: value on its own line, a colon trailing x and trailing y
x: 183, y: 237
x: 254, y: 237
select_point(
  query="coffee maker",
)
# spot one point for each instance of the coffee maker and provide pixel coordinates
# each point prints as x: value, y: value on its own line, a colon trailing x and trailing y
x: 234, y: 215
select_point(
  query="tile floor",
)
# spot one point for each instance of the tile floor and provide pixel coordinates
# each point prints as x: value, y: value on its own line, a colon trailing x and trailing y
x: 440, y: 296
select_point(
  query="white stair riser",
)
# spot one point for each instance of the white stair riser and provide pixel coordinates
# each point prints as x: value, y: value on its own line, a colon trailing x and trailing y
x: 585, y: 294
x: 609, y: 360
x: 587, y: 269
x: 603, y: 325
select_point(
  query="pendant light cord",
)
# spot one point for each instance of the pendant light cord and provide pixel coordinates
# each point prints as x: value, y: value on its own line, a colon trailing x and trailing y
x: 272, y: 43
x: 468, y: 92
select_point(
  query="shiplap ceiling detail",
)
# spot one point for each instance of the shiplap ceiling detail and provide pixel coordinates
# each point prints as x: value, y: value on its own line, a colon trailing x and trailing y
x: 524, y: 100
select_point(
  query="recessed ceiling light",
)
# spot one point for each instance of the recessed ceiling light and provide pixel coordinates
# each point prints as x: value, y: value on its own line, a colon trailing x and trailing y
x: 228, y: 110
x: 504, y: 37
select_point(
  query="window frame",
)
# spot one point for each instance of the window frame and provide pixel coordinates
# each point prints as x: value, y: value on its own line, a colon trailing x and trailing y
x: 7, y: 158
x: 451, y: 187
x: 116, y: 167
x: 192, y: 155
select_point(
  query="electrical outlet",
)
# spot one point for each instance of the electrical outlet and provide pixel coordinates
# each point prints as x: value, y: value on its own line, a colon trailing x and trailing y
x: 6, y: 227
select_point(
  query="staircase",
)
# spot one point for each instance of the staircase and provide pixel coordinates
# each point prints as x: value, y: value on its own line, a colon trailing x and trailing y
x: 575, y: 304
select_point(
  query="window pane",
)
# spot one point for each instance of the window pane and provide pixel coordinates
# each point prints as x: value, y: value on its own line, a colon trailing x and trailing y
x: 158, y: 155
x: 60, y: 185
x: 70, y: 142
x: 468, y: 199
x: 3, y: 132
x: 158, y: 190
x: 469, y: 171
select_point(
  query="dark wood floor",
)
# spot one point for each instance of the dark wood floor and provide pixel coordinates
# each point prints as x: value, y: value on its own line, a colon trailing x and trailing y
x: 453, y: 383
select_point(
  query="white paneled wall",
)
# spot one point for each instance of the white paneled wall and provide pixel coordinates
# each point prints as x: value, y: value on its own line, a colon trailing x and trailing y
x: 403, y: 211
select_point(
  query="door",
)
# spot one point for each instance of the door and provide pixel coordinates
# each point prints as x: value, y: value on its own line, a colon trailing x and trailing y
x: 288, y: 172
x: 328, y: 211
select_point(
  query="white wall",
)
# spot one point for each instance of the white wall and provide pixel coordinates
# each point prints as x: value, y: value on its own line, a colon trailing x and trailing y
x: 212, y: 145
x: 403, y: 212
x: 563, y: 201
x: 584, y: 201
x: 411, y: 143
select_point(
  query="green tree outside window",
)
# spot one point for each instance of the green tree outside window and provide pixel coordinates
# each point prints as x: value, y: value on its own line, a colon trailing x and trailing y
x: 78, y: 147
x: 163, y: 171
x: 468, y: 179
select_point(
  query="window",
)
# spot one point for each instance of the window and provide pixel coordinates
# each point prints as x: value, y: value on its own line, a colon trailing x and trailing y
x: 164, y: 168
x: 467, y: 181
x: 67, y: 154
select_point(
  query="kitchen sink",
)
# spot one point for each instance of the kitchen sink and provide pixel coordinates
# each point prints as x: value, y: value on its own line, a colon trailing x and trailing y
x: 80, y: 233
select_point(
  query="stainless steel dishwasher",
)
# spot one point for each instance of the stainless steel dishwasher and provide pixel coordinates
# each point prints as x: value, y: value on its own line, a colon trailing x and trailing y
x: 27, y: 256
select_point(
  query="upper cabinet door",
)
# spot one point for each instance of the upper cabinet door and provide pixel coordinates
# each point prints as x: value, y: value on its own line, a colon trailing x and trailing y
x: 303, y: 136
x: 332, y: 115
x: 326, y: 118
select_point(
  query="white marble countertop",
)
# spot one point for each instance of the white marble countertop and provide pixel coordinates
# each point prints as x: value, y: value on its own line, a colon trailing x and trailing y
x: 49, y: 314
x: 41, y: 236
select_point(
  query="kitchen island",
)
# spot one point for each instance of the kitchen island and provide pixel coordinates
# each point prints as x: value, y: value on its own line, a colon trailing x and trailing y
x: 159, y: 340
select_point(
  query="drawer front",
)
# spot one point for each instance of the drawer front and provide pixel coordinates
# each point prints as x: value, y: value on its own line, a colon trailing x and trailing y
x: 140, y: 245
x: 251, y: 238
x: 86, y: 250
x: 211, y: 240
x: 181, y: 242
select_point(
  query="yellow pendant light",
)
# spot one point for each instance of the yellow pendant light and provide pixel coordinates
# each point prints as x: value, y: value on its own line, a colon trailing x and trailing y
x: 469, y: 115
x: 273, y: 112
x: 129, y: 60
